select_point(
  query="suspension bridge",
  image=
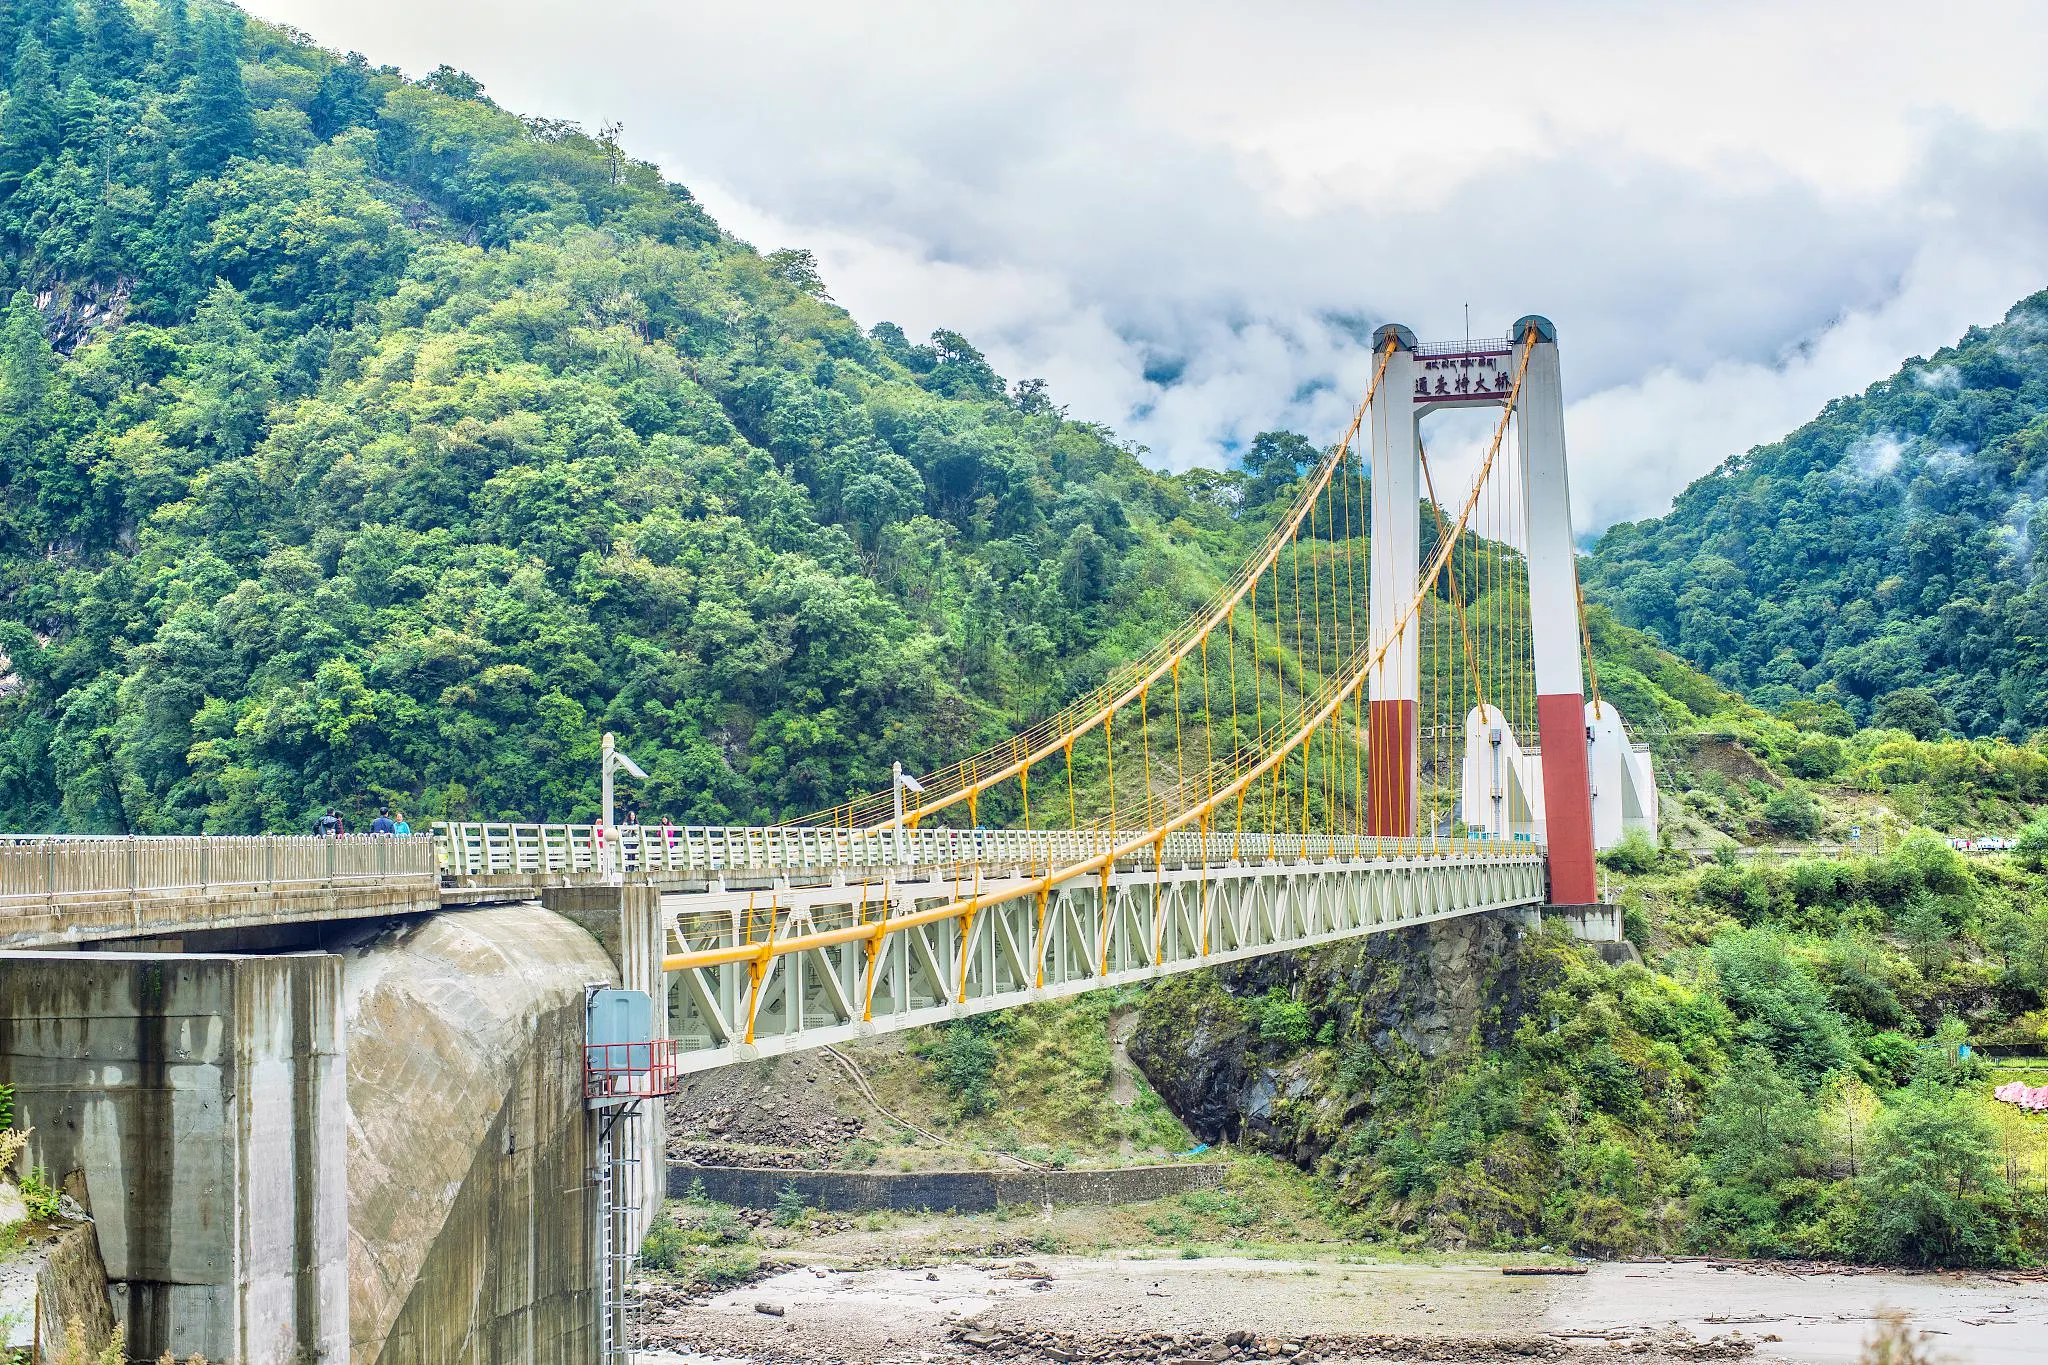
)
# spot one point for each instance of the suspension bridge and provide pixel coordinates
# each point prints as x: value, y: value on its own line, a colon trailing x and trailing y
x: 342, y: 1096
x: 1387, y: 716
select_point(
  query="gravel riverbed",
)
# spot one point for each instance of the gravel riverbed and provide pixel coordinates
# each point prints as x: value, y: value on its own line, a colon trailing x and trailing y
x: 1220, y: 1308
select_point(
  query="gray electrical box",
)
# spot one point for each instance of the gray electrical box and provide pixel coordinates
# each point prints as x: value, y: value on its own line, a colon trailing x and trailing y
x: 617, y: 1017
x: 623, y: 1061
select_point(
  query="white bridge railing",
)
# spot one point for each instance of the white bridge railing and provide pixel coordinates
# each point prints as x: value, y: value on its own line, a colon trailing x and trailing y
x: 487, y: 850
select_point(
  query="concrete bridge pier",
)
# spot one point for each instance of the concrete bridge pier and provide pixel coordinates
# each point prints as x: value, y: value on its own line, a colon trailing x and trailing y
x: 196, y: 1106
x: 374, y: 1152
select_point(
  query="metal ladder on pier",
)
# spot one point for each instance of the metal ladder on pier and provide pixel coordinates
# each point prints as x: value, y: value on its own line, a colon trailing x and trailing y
x: 617, y: 1204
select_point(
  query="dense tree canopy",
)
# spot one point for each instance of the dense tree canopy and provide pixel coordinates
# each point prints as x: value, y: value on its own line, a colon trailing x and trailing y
x: 362, y: 441
x: 1888, y: 544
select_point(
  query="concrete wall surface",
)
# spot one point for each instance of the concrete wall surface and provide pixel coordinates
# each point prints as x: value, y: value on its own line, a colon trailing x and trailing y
x: 471, y: 1211
x: 960, y: 1191
x: 194, y: 1104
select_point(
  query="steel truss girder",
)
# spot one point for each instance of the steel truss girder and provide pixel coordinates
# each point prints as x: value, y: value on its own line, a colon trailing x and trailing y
x: 1084, y: 934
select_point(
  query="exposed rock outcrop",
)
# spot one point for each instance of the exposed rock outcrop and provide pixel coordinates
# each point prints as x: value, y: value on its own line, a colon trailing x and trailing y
x: 1383, y: 1000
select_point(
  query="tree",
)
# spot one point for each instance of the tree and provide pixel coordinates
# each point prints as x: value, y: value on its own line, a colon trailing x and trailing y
x: 799, y: 270
x: 1275, y: 460
x: 30, y: 128
x: 1782, y: 1008
x: 1085, y: 567
x: 25, y: 363
x: 1915, y: 710
x: 228, y: 401
x: 2031, y: 847
x: 1759, y: 1135
x: 344, y: 99
x: 890, y: 490
x: 1930, y: 1184
x: 1032, y: 398
x: 1816, y: 757
x: 456, y: 85
x: 1925, y: 929
x: 119, y: 46
x: 218, y: 122
x: 961, y: 371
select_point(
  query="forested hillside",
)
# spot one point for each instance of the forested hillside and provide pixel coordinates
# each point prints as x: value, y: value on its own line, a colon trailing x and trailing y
x: 1886, y: 547
x: 361, y: 440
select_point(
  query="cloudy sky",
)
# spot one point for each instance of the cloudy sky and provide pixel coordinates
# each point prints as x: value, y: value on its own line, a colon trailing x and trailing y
x: 1187, y: 217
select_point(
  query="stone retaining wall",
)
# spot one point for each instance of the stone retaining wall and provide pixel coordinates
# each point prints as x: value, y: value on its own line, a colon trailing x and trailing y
x: 958, y: 1191
x: 72, y: 1287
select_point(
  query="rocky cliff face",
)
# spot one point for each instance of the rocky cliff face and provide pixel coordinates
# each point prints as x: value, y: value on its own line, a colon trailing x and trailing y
x: 1228, y: 1050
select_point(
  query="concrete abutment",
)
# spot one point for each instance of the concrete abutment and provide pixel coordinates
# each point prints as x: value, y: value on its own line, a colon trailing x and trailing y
x: 374, y: 1153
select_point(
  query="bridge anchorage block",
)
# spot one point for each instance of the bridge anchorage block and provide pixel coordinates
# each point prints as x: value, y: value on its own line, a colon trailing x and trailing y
x: 1597, y: 924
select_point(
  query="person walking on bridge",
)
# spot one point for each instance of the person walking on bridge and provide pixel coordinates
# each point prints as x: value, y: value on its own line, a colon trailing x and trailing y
x: 383, y: 823
x: 328, y: 826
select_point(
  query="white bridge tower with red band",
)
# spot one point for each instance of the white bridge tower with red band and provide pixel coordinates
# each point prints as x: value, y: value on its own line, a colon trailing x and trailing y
x: 1505, y: 790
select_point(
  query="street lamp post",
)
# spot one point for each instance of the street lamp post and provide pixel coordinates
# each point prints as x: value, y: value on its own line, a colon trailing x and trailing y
x: 899, y: 783
x: 612, y: 761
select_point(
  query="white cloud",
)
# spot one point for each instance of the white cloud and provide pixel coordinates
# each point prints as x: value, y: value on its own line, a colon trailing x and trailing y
x: 1732, y: 212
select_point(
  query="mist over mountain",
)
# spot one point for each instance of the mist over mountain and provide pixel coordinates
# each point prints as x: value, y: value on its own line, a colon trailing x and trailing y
x: 1893, y: 542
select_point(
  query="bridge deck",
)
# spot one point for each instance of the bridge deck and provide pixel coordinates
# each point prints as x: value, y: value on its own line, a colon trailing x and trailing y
x: 806, y: 963
x: 60, y: 890
x: 783, y: 939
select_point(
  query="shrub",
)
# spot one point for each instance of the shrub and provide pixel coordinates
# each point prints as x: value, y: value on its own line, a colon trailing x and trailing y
x: 2031, y: 848
x: 1889, y: 1054
x: 964, y: 1056
x: 789, y: 1206
x: 664, y: 1247
x: 1281, y: 1021
x: 1816, y: 757
x: 1791, y: 811
x: 40, y: 1196
x: 1635, y: 853
x: 1924, y: 859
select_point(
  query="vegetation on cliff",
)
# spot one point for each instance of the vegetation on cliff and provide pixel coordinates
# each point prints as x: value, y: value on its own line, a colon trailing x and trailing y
x: 1790, y: 1074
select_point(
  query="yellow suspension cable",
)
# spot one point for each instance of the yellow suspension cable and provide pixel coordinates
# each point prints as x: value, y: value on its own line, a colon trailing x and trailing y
x: 1333, y: 699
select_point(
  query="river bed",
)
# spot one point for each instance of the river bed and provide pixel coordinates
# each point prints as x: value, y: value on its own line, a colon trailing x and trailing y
x: 1111, y: 1307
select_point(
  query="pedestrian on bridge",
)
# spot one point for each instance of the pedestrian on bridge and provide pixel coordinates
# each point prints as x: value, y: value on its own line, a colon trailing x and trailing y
x: 398, y: 820
x: 383, y: 824
x: 328, y: 826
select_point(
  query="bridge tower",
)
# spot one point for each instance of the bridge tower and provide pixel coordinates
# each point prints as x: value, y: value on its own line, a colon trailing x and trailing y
x: 1394, y: 689
x: 1418, y: 380
x: 1561, y: 725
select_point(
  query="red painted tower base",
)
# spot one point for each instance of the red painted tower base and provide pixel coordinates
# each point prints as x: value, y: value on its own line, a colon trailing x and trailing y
x: 1390, y: 770
x: 1567, y: 799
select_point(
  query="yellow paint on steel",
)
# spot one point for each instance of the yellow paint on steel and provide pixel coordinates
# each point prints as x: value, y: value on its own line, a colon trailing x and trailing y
x: 1104, y: 863
x: 949, y: 785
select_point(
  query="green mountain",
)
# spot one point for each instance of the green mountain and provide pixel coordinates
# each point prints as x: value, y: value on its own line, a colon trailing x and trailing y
x: 362, y: 441
x: 1886, y: 547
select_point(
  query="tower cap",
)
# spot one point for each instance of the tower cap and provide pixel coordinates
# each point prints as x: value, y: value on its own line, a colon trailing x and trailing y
x: 1546, y: 330
x: 1401, y: 337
